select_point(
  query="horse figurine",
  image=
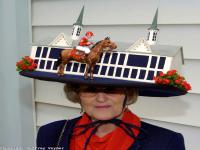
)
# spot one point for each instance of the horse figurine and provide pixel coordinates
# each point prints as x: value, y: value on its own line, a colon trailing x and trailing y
x: 90, y: 59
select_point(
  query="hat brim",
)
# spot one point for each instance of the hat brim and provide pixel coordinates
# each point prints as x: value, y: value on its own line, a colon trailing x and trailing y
x: 145, y: 89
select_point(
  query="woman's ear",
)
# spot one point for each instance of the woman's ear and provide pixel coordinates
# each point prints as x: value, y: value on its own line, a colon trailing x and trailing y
x: 82, y: 110
x: 125, y: 101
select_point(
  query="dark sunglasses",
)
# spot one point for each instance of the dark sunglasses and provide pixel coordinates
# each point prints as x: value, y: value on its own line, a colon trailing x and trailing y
x: 92, y: 89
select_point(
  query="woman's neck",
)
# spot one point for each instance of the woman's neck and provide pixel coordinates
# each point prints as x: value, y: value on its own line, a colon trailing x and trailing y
x: 107, y: 128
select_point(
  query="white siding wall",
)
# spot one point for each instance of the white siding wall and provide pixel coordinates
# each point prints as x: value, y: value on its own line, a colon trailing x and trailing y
x: 16, y: 111
x: 126, y: 21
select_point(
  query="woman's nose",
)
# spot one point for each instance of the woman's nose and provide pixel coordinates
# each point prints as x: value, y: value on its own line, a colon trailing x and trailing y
x: 101, y: 97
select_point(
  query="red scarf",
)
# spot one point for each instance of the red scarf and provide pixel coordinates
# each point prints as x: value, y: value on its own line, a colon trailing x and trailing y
x: 116, y: 139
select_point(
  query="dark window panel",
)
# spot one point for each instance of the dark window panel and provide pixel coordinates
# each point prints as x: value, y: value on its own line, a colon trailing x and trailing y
x: 82, y: 69
x: 118, y: 72
x: 55, y: 66
x: 153, y: 62
x: 75, y: 68
x: 96, y: 69
x: 68, y: 67
x: 106, y: 58
x: 142, y: 74
x: 161, y: 62
x: 126, y: 72
x: 110, y: 72
x: 44, y: 53
x: 55, y: 53
x: 150, y: 75
x: 42, y: 64
x: 137, y: 60
x: 121, y: 59
x: 49, y: 63
x: 134, y: 73
x: 114, y: 58
x: 103, y: 70
x: 38, y: 51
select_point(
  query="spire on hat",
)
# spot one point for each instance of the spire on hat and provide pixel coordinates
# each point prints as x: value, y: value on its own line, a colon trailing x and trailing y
x: 79, y: 21
x: 154, y: 22
x: 78, y: 26
x: 153, y: 30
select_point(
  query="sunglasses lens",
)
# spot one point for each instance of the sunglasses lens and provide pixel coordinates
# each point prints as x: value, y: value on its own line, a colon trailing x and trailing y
x: 111, y: 90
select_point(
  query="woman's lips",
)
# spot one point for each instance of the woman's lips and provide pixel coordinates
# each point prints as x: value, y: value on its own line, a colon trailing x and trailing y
x: 103, y: 106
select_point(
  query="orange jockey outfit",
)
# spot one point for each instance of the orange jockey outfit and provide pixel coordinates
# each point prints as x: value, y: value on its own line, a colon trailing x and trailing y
x: 84, y: 41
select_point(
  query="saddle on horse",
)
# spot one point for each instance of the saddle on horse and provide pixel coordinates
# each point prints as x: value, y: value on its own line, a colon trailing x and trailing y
x: 77, y: 54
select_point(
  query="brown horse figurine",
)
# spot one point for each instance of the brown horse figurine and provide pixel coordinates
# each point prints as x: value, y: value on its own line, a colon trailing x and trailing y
x: 90, y: 59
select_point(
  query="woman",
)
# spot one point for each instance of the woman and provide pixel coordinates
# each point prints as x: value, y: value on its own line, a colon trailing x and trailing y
x: 106, y: 124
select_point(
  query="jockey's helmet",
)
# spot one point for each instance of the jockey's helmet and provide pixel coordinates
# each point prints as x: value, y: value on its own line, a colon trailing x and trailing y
x: 89, y: 33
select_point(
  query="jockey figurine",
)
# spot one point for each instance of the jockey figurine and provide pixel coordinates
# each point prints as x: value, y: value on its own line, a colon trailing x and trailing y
x: 85, y: 43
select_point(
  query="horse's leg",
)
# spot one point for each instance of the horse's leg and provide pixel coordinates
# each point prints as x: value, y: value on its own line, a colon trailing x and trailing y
x: 60, y: 69
x: 92, y: 71
x: 64, y: 59
x: 59, y: 63
x: 86, y: 71
x: 62, y: 66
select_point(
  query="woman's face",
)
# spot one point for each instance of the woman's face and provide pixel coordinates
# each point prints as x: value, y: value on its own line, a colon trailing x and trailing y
x: 102, y: 103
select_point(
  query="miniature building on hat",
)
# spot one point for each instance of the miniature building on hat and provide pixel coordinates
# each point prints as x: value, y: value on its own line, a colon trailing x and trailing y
x: 120, y: 65
x: 139, y: 62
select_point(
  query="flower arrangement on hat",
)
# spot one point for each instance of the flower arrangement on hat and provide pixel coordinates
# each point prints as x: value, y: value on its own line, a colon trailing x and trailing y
x: 172, y: 78
x: 26, y: 64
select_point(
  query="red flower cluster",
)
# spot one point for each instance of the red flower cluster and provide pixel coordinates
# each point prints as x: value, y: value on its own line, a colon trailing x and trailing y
x: 172, y: 78
x: 26, y: 63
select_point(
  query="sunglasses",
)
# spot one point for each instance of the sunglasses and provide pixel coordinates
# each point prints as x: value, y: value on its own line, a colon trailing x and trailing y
x: 108, y: 90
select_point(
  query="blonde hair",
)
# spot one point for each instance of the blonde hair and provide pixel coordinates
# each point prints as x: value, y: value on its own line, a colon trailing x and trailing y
x: 72, y: 93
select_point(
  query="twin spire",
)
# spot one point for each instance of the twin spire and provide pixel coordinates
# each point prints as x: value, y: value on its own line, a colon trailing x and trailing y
x: 78, y: 25
x: 152, y: 31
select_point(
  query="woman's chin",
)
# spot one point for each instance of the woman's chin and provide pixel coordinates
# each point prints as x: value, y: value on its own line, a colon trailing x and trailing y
x: 103, y: 117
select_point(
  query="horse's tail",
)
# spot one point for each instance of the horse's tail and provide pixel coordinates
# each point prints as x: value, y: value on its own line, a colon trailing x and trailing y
x: 58, y: 62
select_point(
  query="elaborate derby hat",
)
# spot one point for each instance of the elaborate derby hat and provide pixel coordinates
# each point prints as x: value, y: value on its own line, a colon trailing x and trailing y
x: 144, y: 65
x: 153, y: 73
